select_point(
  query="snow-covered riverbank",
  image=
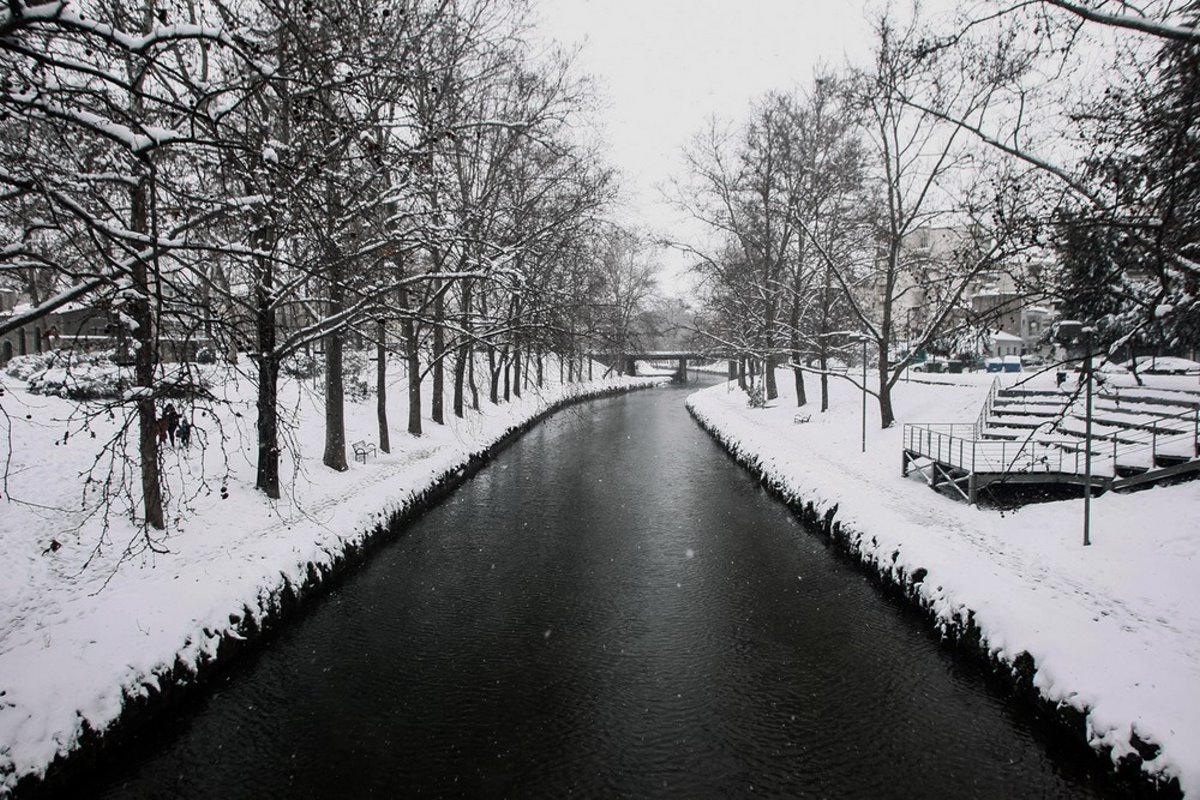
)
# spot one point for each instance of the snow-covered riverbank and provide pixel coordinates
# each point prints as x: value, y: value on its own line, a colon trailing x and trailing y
x: 1114, y: 628
x: 84, y: 626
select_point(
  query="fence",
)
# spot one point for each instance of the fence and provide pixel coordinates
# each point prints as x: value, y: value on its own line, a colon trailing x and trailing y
x: 963, y: 446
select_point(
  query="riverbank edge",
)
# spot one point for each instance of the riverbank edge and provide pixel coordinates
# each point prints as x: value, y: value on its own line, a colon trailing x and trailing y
x: 962, y: 633
x: 251, y: 629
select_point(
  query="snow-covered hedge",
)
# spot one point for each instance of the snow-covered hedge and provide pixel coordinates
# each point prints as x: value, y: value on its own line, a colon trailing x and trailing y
x: 22, y: 367
x: 75, y: 375
x: 82, y: 381
x: 94, y: 376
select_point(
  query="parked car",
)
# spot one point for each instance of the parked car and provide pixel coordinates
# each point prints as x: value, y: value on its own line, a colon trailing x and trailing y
x: 930, y: 365
x: 1033, y: 360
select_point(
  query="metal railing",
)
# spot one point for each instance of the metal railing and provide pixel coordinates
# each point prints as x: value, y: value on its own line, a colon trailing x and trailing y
x: 970, y: 453
x: 985, y: 413
x: 962, y: 446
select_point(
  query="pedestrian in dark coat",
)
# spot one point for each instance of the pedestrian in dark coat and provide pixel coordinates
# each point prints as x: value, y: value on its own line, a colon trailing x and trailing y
x: 184, y: 431
x: 170, y: 418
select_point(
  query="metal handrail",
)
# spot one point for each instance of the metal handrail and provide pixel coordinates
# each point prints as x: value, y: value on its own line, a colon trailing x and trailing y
x: 963, y: 445
x: 986, y: 412
x: 945, y: 443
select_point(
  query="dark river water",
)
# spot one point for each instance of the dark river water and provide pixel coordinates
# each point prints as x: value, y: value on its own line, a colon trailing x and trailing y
x: 612, y: 608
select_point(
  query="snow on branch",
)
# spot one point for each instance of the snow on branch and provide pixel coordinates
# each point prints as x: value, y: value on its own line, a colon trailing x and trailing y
x: 62, y: 14
x: 1139, y: 23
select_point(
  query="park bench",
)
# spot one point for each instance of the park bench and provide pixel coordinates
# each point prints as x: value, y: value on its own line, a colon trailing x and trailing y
x: 361, y: 448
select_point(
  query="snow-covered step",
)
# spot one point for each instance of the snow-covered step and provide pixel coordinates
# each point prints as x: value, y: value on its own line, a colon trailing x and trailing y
x: 1035, y: 402
x: 1142, y: 422
x: 1026, y: 410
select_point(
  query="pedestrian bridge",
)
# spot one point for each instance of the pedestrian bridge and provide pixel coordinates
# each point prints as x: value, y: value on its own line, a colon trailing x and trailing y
x: 627, y: 361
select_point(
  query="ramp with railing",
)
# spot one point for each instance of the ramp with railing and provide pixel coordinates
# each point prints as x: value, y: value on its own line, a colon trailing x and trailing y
x: 1037, y: 436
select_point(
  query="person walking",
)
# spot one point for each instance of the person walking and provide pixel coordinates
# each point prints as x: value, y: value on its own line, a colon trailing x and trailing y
x: 184, y: 431
x: 170, y: 418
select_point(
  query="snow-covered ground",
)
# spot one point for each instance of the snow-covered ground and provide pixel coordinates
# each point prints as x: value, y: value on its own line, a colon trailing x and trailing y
x: 89, y: 613
x: 1114, y: 627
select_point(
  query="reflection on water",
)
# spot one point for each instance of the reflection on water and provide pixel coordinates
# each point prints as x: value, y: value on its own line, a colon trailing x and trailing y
x: 612, y: 608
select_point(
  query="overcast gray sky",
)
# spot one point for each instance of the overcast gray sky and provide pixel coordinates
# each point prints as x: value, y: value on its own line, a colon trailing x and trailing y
x: 664, y: 66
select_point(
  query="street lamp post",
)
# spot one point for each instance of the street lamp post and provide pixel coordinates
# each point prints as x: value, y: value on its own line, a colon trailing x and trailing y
x: 863, y: 338
x: 1087, y: 459
x: 908, y: 312
x: 1072, y: 331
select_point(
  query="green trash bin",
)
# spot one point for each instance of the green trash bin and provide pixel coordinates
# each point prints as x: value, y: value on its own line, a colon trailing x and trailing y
x: 954, y: 367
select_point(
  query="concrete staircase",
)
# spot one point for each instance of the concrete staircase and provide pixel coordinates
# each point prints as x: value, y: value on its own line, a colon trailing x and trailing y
x: 1139, y: 435
x: 1037, y: 437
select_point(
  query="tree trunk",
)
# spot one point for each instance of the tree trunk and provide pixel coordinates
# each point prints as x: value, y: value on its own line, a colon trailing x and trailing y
x: 516, y: 378
x: 464, y: 349
x: 412, y: 357
x: 143, y: 364
x: 541, y: 377
x: 801, y: 392
x: 515, y: 360
x: 385, y: 444
x: 267, y: 477
x: 797, y: 373
x: 824, y: 362
x: 335, y: 403
x: 823, y: 352
x: 471, y: 382
x: 458, y: 390
x: 493, y: 377
x: 771, y: 390
x: 437, y: 401
x: 887, y: 417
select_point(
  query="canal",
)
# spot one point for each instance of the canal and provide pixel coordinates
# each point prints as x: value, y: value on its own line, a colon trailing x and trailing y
x: 612, y: 608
